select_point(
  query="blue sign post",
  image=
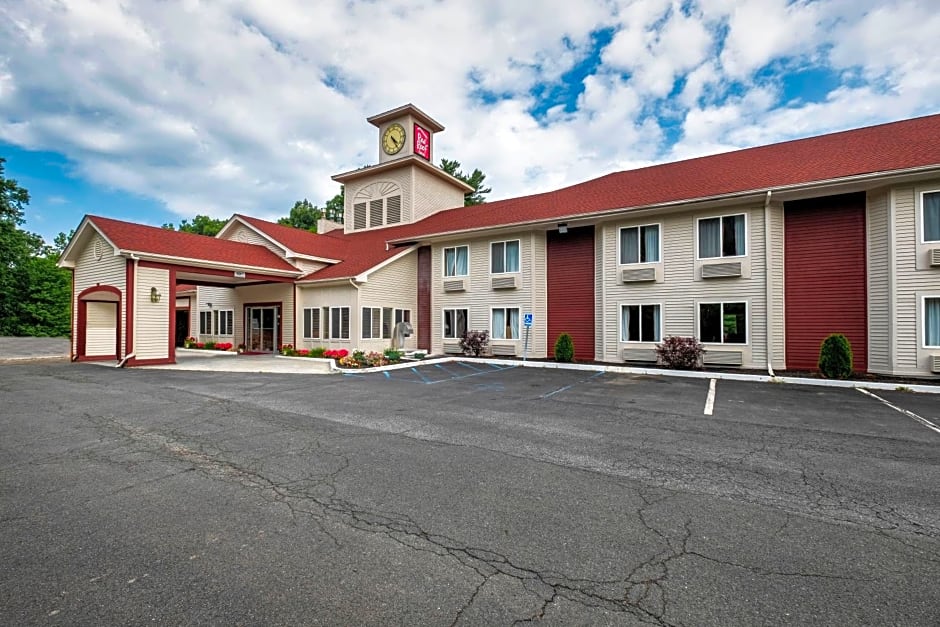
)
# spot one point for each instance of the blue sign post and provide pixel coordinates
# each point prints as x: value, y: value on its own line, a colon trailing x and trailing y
x: 527, y: 323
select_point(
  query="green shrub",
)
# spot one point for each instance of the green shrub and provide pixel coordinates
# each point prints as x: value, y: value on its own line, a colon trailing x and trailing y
x: 392, y: 354
x: 209, y: 345
x: 316, y: 352
x: 680, y: 353
x: 564, y: 348
x: 835, y: 357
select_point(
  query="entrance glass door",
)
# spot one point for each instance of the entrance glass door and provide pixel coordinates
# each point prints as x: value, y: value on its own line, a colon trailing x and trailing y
x: 261, y: 329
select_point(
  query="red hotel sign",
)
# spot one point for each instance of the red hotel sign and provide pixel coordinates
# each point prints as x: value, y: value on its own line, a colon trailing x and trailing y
x: 422, y: 142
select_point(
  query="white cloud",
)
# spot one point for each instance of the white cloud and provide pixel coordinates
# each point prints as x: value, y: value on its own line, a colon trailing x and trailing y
x: 215, y: 107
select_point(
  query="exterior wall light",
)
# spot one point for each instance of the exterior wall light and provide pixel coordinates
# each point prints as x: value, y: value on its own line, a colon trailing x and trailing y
x: 562, y: 227
x: 155, y: 295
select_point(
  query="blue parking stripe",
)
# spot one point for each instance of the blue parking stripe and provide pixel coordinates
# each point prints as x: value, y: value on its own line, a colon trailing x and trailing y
x: 420, y: 374
x: 387, y: 375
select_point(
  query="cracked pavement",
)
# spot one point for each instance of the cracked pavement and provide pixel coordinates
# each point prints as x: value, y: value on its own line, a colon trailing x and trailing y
x: 513, y: 497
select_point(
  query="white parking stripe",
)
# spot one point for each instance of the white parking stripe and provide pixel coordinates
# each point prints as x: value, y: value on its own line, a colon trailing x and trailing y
x: 907, y: 413
x: 710, y: 399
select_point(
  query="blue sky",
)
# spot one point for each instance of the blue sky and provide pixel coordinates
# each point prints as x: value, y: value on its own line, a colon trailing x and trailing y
x: 155, y: 112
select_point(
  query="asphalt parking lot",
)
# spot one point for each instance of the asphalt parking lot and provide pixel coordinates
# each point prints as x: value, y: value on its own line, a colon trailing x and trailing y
x: 461, y: 494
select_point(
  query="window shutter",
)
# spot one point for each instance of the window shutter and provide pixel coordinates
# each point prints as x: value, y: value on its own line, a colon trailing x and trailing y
x: 344, y: 323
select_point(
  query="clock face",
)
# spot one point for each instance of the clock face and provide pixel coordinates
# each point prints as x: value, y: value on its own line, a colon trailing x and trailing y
x: 393, y: 139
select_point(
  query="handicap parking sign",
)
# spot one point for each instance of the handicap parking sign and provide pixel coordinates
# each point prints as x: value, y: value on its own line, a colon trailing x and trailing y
x: 527, y: 320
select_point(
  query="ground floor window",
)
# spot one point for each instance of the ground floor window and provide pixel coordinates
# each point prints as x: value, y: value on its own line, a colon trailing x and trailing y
x: 932, y: 322
x: 376, y: 323
x: 505, y: 323
x: 723, y: 323
x: 336, y: 320
x: 224, y: 322
x: 455, y: 323
x: 205, y: 323
x: 402, y: 315
x: 640, y: 323
x: 312, y: 323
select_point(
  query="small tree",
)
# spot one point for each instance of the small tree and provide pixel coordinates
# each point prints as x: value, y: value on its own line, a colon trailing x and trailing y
x: 680, y: 353
x: 474, y: 342
x: 564, y: 348
x: 835, y: 357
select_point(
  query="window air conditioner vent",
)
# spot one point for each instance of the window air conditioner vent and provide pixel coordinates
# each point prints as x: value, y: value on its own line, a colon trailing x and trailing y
x: 935, y: 363
x: 632, y: 275
x: 452, y: 348
x: 504, y: 283
x: 644, y: 355
x: 934, y: 256
x: 454, y: 285
x: 721, y: 270
x: 503, y: 350
x: 723, y: 358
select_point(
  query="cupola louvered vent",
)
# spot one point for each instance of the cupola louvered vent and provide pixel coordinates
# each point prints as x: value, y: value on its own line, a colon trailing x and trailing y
x: 454, y: 285
x: 504, y: 283
x: 359, y: 216
x: 721, y: 270
x: 393, y: 209
x: 635, y: 275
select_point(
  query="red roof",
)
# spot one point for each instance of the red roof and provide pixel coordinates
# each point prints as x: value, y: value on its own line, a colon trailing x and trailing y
x: 883, y: 148
x: 156, y: 241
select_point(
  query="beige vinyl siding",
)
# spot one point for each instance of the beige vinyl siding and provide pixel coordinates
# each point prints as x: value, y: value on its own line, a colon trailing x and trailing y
x: 342, y: 295
x: 778, y: 335
x: 432, y: 194
x: 282, y: 293
x: 480, y: 297
x: 152, y: 320
x: 89, y: 271
x: 308, y: 266
x: 681, y: 289
x: 879, y: 283
x: 221, y: 298
x: 396, y: 286
x: 242, y: 233
x: 913, y: 279
x: 101, y: 327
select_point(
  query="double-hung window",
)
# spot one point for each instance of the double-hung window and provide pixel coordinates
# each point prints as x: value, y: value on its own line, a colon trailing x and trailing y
x: 402, y: 315
x: 205, y: 322
x: 312, y: 323
x: 639, y: 244
x: 932, y: 322
x: 505, y: 323
x: 455, y: 323
x: 723, y: 323
x: 640, y: 323
x: 338, y: 323
x: 504, y: 257
x: 224, y: 321
x: 456, y: 261
x: 376, y: 323
x: 930, y: 202
x: 722, y: 237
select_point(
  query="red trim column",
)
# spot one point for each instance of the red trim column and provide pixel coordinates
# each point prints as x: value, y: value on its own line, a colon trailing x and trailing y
x: 131, y: 288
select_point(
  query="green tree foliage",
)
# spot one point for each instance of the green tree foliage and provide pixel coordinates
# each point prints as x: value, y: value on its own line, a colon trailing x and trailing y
x: 201, y: 225
x: 334, y: 206
x: 474, y: 179
x: 34, y: 292
x: 564, y: 348
x: 835, y: 357
x: 303, y: 215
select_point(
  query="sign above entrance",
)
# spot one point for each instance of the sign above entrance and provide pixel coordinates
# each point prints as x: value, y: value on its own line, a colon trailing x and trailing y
x: 239, y: 275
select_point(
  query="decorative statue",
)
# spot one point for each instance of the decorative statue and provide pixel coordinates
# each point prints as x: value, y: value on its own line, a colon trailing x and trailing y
x: 399, y: 333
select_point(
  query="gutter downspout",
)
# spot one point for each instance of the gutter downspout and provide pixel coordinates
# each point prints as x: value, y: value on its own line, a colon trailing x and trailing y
x: 132, y: 355
x: 767, y: 284
x: 358, y: 311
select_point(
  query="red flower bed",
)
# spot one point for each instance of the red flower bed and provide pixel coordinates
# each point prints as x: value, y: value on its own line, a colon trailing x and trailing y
x: 336, y: 353
x: 223, y: 346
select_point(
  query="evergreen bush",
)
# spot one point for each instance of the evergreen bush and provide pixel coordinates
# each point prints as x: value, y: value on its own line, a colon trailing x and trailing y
x: 564, y: 348
x: 835, y: 357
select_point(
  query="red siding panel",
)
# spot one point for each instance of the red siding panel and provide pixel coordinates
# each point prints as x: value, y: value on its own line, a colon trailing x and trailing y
x: 423, y: 327
x: 825, y: 277
x: 571, y: 289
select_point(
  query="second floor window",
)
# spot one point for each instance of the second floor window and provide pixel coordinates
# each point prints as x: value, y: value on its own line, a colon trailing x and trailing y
x: 722, y: 237
x: 504, y: 257
x: 931, y: 208
x: 456, y: 261
x: 639, y: 244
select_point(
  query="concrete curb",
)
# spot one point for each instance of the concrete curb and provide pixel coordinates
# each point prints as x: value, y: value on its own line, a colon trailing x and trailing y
x: 688, y: 374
